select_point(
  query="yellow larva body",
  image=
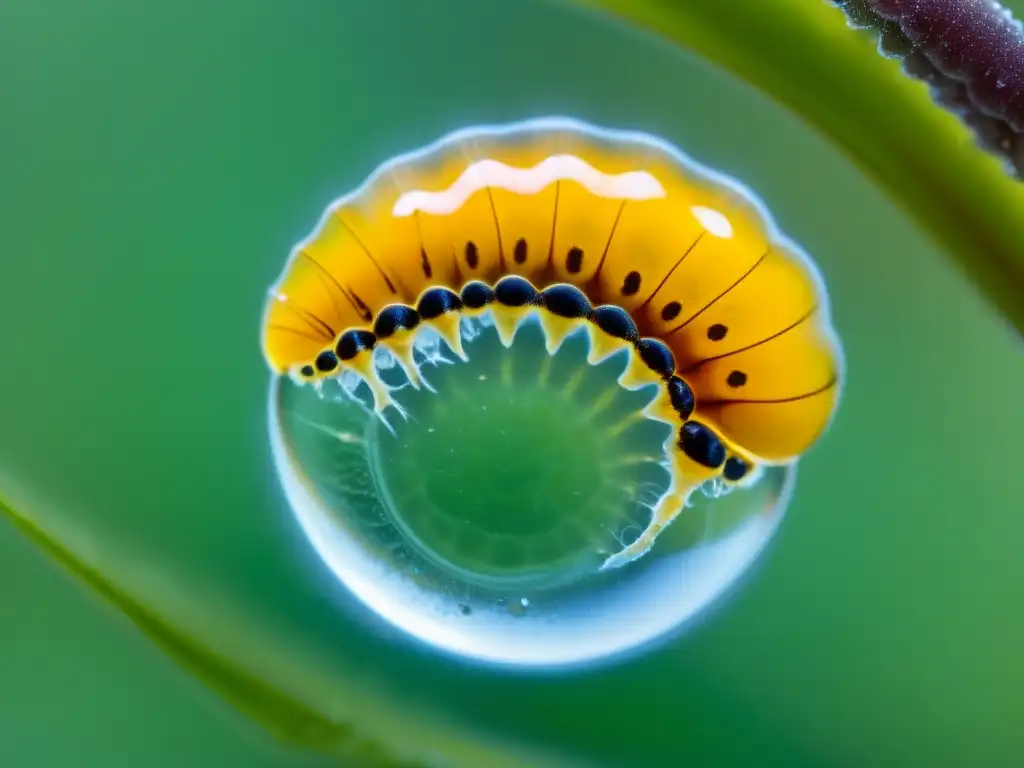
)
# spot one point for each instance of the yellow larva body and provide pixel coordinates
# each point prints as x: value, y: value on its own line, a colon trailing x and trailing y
x: 640, y: 233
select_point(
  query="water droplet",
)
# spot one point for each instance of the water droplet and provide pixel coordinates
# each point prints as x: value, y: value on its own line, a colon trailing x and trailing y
x: 515, y: 477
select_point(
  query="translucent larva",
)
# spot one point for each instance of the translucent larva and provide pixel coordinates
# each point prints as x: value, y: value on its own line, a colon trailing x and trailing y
x: 614, y: 232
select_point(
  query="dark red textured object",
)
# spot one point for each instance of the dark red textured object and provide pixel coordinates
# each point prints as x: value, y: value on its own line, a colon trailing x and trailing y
x: 975, y: 41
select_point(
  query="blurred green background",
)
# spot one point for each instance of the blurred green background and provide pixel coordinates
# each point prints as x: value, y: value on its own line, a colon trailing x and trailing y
x: 160, y: 160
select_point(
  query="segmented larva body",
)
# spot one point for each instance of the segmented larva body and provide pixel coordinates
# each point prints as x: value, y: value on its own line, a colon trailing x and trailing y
x: 616, y: 232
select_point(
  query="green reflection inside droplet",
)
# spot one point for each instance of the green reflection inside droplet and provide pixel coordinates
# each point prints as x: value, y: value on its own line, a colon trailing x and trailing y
x: 523, y: 467
x: 479, y: 519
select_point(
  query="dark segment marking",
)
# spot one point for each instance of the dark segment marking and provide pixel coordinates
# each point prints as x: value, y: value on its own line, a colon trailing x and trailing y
x: 519, y: 251
x: 566, y: 301
x: 681, y: 396
x: 735, y: 469
x: 350, y: 296
x: 315, y: 323
x: 631, y: 284
x: 574, y: 260
x: 554, y: 223
x: 615, y: 321
x: 364, y: 311
x: 326, y: 361
x: 295, y: 331
x: 657, y: 357
x: 455, y: 262
x: 736, y: 379
x: 437, y: 301
x: 394, y: 318
x: 608, y: 243
x: 724, y: 293
x: 477, y: 295
x: 383, y: 274
x: 671, y: 311
x: 353, y: 342
x: 307, y: 371
x: 717, y: 332
x: 425, y: 263
x: 832, y: 382
x: 326, y: 276
x: 701, y: 444
x: 472, y: 256
x: 515, y: 291
x: 497, y: 228
x: 668, y: 274
x: 755, y: 344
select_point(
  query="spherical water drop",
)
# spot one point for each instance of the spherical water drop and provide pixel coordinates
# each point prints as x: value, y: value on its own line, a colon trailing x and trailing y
x: 478, y: 523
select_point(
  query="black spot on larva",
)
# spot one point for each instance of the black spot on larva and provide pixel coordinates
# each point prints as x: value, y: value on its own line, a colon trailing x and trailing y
x: 657, y: 357
x: 394, y: 318
x: 736, y: 379
x: 515, y: 291
x: 631, y: 284
x: 519, y: 252
x: 671, y: 311
x: 472, y: 257
x: 476, y: 295
x: 353, y: 342
x: 615, y: 321
x: 307, y: 371
x: 425, y: 263
x: 735, y: 469
x: 326, y: 361
x: 717, y: 332
x: 574, y: 260
x: 464, y: 609
x: 701, y: 444
x: 436, y: 302
x: 681, y: 396
x: 566, y: 301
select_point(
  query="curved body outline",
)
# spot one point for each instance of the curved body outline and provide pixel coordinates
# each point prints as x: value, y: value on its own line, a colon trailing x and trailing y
x: 615, y: 231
